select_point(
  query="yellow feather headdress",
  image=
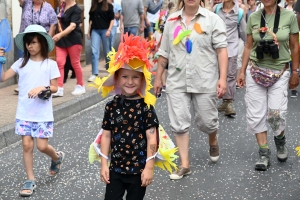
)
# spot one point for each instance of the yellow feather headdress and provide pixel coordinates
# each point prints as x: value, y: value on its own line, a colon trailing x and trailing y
x: 132, y: 54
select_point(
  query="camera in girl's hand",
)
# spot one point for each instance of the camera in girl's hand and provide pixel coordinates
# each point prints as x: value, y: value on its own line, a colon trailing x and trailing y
x: 45, y: 95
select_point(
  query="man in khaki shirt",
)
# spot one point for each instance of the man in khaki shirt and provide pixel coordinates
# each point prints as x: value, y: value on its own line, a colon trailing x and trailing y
x: 193, y: 77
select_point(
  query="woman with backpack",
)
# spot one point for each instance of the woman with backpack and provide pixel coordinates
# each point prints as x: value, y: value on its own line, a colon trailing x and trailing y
x: 233, y: 16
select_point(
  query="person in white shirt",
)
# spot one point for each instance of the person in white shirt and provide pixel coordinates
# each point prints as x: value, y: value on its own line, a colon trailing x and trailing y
x: 37, y: 80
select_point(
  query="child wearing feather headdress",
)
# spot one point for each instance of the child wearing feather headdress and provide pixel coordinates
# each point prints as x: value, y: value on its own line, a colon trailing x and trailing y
x: 130, y: 125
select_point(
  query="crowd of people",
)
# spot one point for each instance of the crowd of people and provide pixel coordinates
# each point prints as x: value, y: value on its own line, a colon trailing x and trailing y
x: 201, y: 54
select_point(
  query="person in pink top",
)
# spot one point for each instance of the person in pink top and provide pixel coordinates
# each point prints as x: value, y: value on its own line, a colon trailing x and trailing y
x: 69, y: 42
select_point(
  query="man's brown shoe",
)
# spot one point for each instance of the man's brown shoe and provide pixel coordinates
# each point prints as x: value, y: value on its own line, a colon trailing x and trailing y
x: 229, y: 110
x: 180, y: 173
x: 223, y: 106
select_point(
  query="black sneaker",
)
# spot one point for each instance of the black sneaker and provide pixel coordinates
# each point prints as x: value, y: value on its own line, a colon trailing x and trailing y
x: 294, y: 93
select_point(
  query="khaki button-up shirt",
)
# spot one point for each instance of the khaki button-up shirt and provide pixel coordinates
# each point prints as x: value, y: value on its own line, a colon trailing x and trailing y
x: 199, y: 71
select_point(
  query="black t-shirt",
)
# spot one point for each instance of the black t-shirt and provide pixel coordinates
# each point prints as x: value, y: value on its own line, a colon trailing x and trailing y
x: 101, y: 19
x: 128, y: 121
x: 73, y: 14
x: 297, y: 6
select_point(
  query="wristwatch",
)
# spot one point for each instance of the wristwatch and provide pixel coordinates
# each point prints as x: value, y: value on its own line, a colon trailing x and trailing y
x: 296, y: 70
x: 47, y: 88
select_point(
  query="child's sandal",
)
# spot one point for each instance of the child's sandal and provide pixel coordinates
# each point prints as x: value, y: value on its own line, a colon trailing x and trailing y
x: 28, y: 185
x: 54, y: 164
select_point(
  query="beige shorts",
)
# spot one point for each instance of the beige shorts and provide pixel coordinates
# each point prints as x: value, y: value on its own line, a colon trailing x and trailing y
x: 204, y: 106
x: 266, y: 105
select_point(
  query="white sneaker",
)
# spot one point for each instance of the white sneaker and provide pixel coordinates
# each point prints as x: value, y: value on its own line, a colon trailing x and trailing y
x: 59, y: 93
x: 79, y: 90
x: 16, y: 90
x: 92, y: 78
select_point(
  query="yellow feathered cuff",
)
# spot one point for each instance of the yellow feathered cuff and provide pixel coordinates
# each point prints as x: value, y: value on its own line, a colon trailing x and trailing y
x: 166, y: 152
x: 93, y: 155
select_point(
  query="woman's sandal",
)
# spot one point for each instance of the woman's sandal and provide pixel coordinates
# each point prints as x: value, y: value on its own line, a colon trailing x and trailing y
x: 54, y: 164
x: 28, y: 185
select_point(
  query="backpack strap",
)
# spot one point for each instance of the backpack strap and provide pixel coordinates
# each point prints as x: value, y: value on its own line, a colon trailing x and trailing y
x: 240, y: 15
x: 218, y: 7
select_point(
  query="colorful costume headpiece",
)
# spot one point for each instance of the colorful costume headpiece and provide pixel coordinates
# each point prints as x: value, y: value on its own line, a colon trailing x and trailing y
x: 132, y: 54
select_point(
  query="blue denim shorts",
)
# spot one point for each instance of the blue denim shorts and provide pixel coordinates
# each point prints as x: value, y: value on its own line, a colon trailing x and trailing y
x: 34, y: 129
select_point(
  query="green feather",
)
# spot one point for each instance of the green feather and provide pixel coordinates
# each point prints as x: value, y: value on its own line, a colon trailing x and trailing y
x: 182, y: 35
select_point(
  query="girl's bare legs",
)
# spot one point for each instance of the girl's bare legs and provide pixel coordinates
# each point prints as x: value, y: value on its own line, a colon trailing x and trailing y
x: 28, y: 145
x: 44, y: 147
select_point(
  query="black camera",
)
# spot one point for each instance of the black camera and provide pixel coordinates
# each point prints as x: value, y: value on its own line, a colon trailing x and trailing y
x: 267, y: 47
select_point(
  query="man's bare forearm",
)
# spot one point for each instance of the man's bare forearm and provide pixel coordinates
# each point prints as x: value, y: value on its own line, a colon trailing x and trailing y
x: 162, y: 62
x: 161, y: 66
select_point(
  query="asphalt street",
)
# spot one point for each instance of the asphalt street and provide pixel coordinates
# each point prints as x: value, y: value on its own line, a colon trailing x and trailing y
x: 232, y: 177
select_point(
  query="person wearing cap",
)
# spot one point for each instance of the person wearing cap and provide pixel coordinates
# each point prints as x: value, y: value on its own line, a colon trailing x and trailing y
x: 194, y: 46
x: 129, y: 123
x: 34, y: 119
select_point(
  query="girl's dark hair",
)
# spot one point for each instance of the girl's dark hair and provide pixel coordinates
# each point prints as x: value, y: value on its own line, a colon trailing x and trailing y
x: 27, y: 39
x: 95, y: 5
